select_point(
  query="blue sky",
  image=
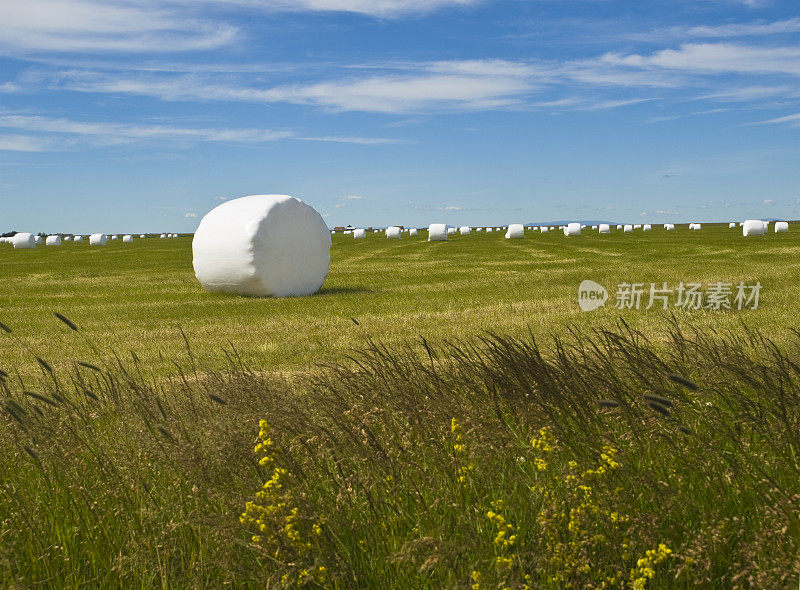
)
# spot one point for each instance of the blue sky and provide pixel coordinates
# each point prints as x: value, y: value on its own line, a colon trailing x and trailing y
x: 142, y: 115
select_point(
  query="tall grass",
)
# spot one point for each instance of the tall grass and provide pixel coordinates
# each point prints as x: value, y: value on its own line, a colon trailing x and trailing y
x: 595, y: 459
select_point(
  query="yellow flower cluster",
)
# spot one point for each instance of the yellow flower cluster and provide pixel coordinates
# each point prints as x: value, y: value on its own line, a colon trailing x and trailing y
x: 275, y: 518
x: 461, y: 452
x: 504, y: 538
x: 645, y: 567
x: 545, y: 443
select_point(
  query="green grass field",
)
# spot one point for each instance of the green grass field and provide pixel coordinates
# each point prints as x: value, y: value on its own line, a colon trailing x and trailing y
x: 522, y: 444
x: 138, y: 296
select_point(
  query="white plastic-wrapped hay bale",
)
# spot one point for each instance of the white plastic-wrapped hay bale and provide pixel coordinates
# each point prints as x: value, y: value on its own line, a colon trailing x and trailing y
x: 163, y: 236
x: 413, y: 231
x: 627, y: 228
x: 604, y: 228
x: 464, y: 230
x: 67, y: 238
x: 24, y: 241
x: 732, y: 225
x: 98, y: 239
x: 359, y: 234
x: 766, y: 226
x: 489, y: 230
x: 594, y: 227
x: 437, y: 232
x: 114, y: 237
x: 53, y: 241
x: 637, y: 226
x: 669, y: 226
x: 393, y: 233
x: 515, y: 231
x: 647, y: 227
x: 753, y: 227
x: 262, y: 245
x: 127, y: 239
x: 77, y: 239
x: 781, y: 227
x: 141, y: 236
x: 572, y: 229
x: 544, y: 229
x: 38, y: 240
x: 697, y: 227
x: 619, y: 227
x: 451, y: 231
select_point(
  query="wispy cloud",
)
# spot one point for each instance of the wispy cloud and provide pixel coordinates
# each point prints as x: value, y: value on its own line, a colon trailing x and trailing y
x: 58, y: 133
x: 723, y: 31
x: 378, y: 8
x: 109, y: 25
x: 791, y: 120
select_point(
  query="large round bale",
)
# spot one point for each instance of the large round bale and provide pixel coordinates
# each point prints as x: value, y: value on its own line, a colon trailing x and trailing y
x: 67, y: 238
x: 669, y: 226
x: 77, y: 239
x: 781, y: 227
x: 262, y: 245
x: 732, y: 225
x: 359, y: 234
x: 572, y: 229
x: 413, y: 231
x: 515, y: 231
x: 114, y: 237
x: 53, y: 241
x: 489, y: 230
x: 647, y: 227
x: 38, y: 240
x: 464, y: 230
x: 24, y: 241
x: 753, y: 227
x: 451, y: 231
x: 141, y: 236
x: 437, y: 232
x: 604, y: 228
x: 127, y: 239
x: 628, y: 228
x: 98, y: 239
x: 393, y: 233
x: 544, y: 229
x: 619, y: 227
x: 163, y: 236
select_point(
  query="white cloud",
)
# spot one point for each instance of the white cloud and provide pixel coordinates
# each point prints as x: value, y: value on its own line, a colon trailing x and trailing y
x: 715, y: 58
x: 768, y: 202
x: 792, y: 120
x: 377, y: 8
x: 352, y: 198
x: 190, y: 215
x: 105, y: 133
x: 109, y: 25
x: 24, y: 143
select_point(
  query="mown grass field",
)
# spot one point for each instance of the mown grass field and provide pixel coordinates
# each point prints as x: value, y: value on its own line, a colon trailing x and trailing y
x: 608, y: 449
x: 138, y: 296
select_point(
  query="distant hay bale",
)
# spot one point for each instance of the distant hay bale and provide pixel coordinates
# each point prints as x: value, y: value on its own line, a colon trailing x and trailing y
x: 24, y: 241
x: 127, y: 239
x: 141, y: 236
x: 572, y: 229
x: 647, y: 227
x: 594, y: 227
x: 753, y: 227
x: 451, y: 231
x: 53, y: 241
x: 393, y: 233
x: 412, y: 231
x: 67, y: 238
x: 637, y: 226
x: 604, y: 228
x: 38, y: 240
x: 163, y: 236
x: 544, y: 229
x: 115, y: 237
x: 489, y: 230
x: 515, y: 231
x: 77, y: 239
x: 669, y: 226
x: 732, y: 225
x: 464, y: 230
x: 98, y: 240
x: 781, y: 227
x: 619, y: 226
x: 262, y: 245
x: 359, y: 234
x: 437, y: 232
x: 627, y: 229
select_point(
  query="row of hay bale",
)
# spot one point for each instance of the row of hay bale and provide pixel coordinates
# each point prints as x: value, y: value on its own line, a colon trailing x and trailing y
x: 28, y: 241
